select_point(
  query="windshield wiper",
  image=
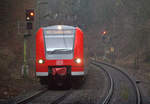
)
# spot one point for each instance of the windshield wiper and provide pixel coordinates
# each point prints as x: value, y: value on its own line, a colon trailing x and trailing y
x: 60, y: 50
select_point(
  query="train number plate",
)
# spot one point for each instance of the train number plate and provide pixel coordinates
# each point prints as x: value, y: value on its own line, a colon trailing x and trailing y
x: 59, y: 62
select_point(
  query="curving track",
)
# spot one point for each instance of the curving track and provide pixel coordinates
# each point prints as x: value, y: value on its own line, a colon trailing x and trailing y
x: 119, y: 89
x: 123, y: 90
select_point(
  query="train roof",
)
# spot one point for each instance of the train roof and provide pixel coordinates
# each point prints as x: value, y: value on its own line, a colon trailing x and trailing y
x: 59, y: 26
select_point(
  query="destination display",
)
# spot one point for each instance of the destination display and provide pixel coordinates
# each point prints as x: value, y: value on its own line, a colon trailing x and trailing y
x: 55, y: 32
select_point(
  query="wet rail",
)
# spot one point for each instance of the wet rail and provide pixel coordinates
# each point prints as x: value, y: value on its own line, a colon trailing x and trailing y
x: 29, y: 98
x: 37, y: 94
x: 61, y: 98
x: 110, y: 87
x: 110, y: 96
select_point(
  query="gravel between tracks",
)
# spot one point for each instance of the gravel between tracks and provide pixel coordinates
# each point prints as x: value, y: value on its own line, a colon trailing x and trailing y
x: 92, y: 91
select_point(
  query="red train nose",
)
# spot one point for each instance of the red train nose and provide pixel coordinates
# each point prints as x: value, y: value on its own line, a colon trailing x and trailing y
x: 59, y: 71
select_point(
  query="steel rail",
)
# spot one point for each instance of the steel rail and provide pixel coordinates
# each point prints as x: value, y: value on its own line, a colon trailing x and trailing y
x: 27, y: 99
x: 31, y: 97
x: 110, y: 92
x: 61, y: 98
x: 137, y: 91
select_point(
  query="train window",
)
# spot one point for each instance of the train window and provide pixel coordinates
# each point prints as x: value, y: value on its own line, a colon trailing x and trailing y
x: 59, y: 41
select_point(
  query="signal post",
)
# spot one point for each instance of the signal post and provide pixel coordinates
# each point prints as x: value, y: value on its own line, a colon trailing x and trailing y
x: 29, y: 26
x: 108, y: 46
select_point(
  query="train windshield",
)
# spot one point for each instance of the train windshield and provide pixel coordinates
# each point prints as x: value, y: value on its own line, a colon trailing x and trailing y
x: 59, y: 41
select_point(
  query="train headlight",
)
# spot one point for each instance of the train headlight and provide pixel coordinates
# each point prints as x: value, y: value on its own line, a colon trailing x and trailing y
x: 59, y: 27
x: 78, y: 60
x: 40, y: 61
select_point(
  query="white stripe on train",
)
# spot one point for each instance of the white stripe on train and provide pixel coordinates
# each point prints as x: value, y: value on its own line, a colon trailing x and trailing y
x: 46, y: 73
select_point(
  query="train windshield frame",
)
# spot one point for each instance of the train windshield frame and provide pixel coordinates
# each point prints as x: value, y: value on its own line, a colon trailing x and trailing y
x: 59, y: 43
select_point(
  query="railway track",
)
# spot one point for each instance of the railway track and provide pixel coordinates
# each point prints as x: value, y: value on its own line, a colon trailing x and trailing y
x: 26, y: 99
x: 117, y: 79
x: 110, y: 86
x: 29, y: 99
x: 36, y: 95
x: 61, y: 98
x: 113, y: 95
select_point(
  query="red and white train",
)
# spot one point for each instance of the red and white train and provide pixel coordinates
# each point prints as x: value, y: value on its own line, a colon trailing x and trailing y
x: 59, y: 52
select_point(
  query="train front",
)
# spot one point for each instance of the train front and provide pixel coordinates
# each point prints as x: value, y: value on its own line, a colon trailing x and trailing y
x: 59, y: 52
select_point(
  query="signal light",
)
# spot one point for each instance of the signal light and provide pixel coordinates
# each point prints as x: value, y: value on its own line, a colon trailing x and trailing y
x: 28, y: 18
x: 104, y: 32
x: 30, y: 14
